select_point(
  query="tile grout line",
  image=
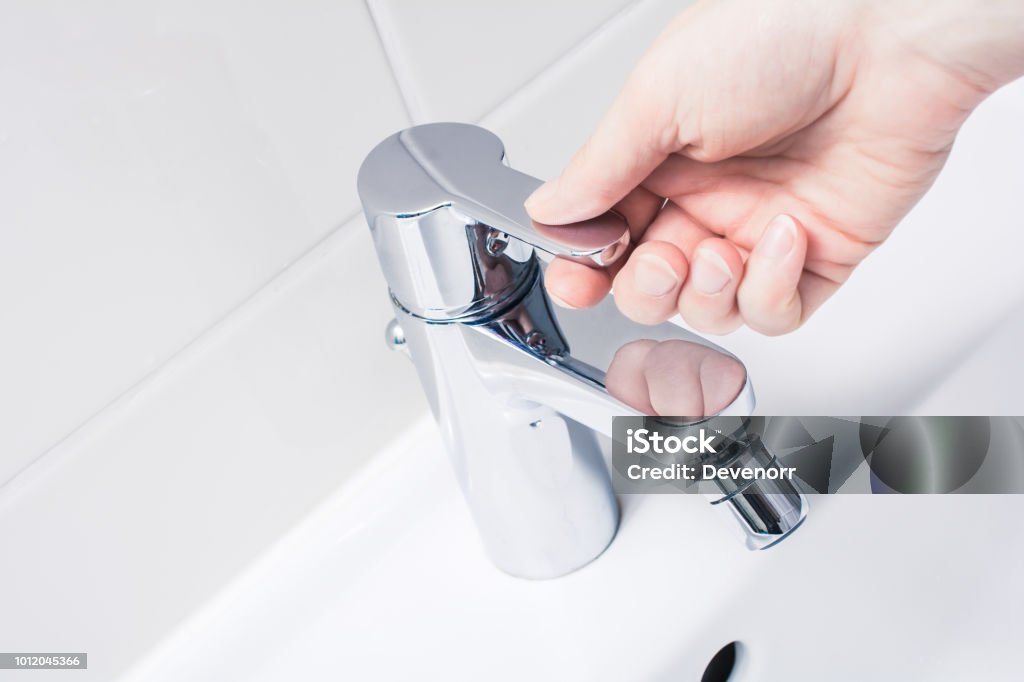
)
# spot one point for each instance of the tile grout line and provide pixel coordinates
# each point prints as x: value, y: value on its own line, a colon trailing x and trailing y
x: 404, y: 81
x: 296, y: 266
x: 150, y: 375
x: 566, y: 58
x: 291, y: 271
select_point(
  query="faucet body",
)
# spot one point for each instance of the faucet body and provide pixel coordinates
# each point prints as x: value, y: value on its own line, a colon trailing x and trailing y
x: 517, y: 389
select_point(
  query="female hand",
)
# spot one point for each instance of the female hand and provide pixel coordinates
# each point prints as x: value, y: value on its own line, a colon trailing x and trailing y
x: 788, y: 137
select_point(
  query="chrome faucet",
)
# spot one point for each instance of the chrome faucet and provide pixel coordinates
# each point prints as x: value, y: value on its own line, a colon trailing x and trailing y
x: 515, y: 387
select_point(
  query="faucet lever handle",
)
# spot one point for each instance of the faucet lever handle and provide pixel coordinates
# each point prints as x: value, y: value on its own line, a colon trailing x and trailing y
x: 598, y: 241
x: 461, y: 166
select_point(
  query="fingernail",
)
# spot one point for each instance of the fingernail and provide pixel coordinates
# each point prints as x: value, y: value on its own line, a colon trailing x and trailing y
x: 559, y: 302
x: 653, y: 275
x: 779, y: 238
x: 710, y: 272
x: 541, y: 195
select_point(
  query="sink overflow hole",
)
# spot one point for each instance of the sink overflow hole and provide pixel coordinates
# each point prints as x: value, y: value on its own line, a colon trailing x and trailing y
x: 722, y: 664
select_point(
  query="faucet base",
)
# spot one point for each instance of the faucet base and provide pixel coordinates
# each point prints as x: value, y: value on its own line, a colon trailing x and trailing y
x: 535, y: 480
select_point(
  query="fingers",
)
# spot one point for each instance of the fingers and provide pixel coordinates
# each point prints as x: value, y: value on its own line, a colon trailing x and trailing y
x: 680, y: 267
x: 769, y: 295
x: 647, y: 287
x: 640, y: 207
x: 703, y: 287
x: 708, y: 299
x: 704, y: 278
x: 574, y: 285
x: 630, y: 141
x: 674, y: 378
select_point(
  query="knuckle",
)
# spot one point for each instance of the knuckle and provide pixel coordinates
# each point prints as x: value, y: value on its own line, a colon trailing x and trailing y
x: 773, y: 326
x: 641, y: 314
x: 708, y: 322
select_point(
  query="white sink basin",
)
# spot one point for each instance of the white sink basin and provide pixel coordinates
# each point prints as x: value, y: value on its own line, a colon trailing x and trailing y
x: 387, y: 581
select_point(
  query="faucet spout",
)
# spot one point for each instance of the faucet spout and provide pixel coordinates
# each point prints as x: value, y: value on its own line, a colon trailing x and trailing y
x: 561, y: 359
x: 539, y: 363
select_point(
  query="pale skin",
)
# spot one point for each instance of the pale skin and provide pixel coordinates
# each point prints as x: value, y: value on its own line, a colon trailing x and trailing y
x: 762, y: 149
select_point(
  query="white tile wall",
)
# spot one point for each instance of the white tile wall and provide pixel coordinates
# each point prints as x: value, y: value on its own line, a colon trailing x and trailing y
x: 458, y: 59
x: 160, y: 162
x: 547, y: 120
x: 164, y: 163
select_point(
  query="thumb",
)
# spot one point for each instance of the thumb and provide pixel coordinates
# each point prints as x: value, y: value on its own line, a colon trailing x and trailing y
x: 632, y: 139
